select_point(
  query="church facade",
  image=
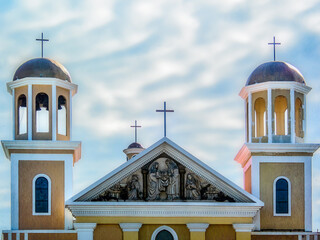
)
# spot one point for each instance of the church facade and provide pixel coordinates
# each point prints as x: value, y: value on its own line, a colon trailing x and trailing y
x: 163, y: 191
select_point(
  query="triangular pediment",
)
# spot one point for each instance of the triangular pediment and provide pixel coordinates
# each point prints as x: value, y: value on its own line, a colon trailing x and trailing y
x: 164, y: 173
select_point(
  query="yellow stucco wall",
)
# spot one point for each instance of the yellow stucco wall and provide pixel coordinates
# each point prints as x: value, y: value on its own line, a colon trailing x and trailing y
x: 107, y: 232
x: 27, y: 171
x: 268, y: 173
x: 220, y: 232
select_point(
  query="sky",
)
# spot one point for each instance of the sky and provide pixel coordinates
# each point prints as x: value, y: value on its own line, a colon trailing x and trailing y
x: 128, y: 57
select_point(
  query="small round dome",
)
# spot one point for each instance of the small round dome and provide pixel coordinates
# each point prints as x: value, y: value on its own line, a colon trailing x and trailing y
x: 135, y: 145
x: 42, y: 67
x: 275, y: 72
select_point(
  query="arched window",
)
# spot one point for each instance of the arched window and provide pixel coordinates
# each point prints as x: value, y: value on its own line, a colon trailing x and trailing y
x: 260, y: 117
x: 282, y: 196
x: 41, y: 195
x: 164, y: 233
x: 281, y: 115
x: 298, y: 117
x: 22, y: 114
x: 62, y: 116
x: 42, y: 112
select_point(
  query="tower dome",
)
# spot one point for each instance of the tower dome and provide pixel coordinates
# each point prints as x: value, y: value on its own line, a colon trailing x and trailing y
x: 275, y: 71
x: 42, y: 67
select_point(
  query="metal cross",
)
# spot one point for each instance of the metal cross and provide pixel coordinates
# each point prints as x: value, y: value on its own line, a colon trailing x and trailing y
x: 274, y: 43
x: 135, y: 131
x: 165, y: 117
x: 42, y: 40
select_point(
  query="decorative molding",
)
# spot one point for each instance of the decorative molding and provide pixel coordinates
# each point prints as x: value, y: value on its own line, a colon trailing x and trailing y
x: 42, y: 81
x: 164, y: 210
x: 239, y: 227
x: 169, y: 229
x: 197, y: 227
x: 274, y: 85
x: 130, y: 227
x: 286, y: 233
x: 42, y: 145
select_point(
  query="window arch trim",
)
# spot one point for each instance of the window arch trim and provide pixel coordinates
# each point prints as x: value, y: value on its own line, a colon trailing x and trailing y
x: 34, y: 194
x: 169, y: 229
x: 275, y: 197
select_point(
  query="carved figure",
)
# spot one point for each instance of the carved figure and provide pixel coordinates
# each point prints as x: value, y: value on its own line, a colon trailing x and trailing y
x: 153, y: 182
x: 134, y: 190
x: 173, y: 181
x: 115, y: 191
x: 212, y: 193
x: 192, y: 188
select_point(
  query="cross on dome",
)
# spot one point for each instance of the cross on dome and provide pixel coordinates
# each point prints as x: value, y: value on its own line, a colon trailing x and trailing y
x: 274, y: 43
x: 135, y: 131
x: 42, y: 40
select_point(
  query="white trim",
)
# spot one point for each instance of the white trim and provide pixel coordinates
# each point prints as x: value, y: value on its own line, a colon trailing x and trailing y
x: 304, y: 116
x: 197, y: 227
x: 286, y: 233
x: 42, y: 81
x: 14, y: 120
x: 292, y: 116
x: 39, y: 231
x: 250, y: 116
x: 270, y: 115
x: 70, y: 115
x: 54, y: 112
x: 14, y: 194
x: 130, y: 227
x: 243, y: 227
x: 246, y: 120
x: 158, y: 209
x: 85, y: 230
x: 34, y: 195
x: 169, y: 229
x: 41, y: 144
x: 298, y: 87
x: 275, y: 197
x: 29, y: 107
x: 308, y: 195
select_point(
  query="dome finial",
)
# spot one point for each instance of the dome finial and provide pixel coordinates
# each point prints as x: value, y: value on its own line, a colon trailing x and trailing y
x: 274, y: 43
x: 42, y: 40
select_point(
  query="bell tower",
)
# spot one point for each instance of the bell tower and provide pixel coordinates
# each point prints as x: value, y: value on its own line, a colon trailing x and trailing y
x: 275, y: 159
x: 42, y: 152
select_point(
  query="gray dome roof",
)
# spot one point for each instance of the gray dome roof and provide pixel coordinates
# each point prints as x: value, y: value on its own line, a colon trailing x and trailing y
x: 42, y: 67
x: 275, y: 72
x: 135, y: 145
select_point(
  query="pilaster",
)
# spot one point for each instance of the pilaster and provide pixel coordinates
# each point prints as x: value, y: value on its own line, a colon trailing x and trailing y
x: 243, y: 231
x: 85, y: 230
x: 130, y: 230
x: 197, y: 230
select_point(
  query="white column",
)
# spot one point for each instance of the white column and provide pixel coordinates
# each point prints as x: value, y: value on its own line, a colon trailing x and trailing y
x: 250, y: 116
x: 14, y: 115
x: 308, y: 194
x: 246, y: 119
x: 307, y: 237
x: 197, y: 227
x: 10, y: 236
x: 25, y: 236
x: 292, y: 116
x: 54, y: 112
x: 130, y: 227
x: 270, y: 116
x: 85, y: 230
x: 30, y: 112
x: 70, y: 112
x: 304, y: 116
x: 18, y: 236
x: 315, y: 237
x: 299, y: 237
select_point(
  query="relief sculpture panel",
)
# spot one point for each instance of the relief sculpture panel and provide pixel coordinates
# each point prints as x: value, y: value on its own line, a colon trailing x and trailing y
x: 163, y: 179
